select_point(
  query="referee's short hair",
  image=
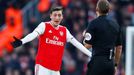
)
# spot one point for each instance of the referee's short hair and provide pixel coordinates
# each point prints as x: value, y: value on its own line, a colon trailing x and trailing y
x: 58, y: 8
x: 103, y: 6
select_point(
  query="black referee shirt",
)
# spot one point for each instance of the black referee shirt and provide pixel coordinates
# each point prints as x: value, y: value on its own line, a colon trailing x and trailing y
x: 106, y: 34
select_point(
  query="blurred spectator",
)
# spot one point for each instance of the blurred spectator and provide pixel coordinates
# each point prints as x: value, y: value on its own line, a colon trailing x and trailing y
x: 2, y: 67
x: 3, y: 6
x: 43, y: 6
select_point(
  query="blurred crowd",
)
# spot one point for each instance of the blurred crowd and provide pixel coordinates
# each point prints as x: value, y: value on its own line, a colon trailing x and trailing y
x: 77, y: 15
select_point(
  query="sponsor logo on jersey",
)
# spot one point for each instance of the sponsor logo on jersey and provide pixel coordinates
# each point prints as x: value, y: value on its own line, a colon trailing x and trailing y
x: 54, y: 42
x: 50, y: 31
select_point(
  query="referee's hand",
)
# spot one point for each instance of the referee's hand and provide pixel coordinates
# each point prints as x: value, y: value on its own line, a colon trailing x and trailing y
x: 16, y: 43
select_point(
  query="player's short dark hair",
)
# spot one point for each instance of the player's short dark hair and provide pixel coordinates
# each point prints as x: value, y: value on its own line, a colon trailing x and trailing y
x: 103, y: 6
x: 58, y: 8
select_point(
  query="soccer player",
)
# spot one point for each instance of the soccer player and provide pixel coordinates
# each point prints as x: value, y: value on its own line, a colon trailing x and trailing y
x: 104, y: 37
x: 52, y: 40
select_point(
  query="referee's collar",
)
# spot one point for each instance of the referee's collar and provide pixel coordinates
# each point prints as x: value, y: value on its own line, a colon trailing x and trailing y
x: 102, y: 15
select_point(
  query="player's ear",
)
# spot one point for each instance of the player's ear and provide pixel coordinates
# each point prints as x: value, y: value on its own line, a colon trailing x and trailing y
x: 97, y: 9
x: 62, y: 16
x: 50, y: 16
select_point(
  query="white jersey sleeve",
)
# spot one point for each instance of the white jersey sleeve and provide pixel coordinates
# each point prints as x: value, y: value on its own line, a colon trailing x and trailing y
x: 39, y: 30
x: 77, y: 44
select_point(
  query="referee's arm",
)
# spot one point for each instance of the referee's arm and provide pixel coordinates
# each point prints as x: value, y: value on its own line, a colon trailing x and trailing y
x: 118, y: 49
x: 89, y: 35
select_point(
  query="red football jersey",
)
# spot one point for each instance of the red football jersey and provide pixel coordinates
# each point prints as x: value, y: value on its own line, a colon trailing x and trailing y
x: 51, y: 47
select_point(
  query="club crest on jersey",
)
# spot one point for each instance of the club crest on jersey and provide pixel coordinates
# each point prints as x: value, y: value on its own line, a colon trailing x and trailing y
x: 61, y: 33
x: 50, y: 31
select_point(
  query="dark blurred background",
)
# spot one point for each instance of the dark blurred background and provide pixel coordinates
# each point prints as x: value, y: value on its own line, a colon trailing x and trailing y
x: 20, y: 17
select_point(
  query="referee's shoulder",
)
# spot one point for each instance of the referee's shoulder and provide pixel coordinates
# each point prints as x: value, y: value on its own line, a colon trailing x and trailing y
x: 94, y: 21
x: 114, y: 22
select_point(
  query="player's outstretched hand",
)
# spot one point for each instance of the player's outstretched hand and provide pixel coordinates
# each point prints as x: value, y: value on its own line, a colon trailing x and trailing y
x: 16, y: 43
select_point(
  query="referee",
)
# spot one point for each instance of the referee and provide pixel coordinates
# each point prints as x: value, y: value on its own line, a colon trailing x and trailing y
x: 105, y: 40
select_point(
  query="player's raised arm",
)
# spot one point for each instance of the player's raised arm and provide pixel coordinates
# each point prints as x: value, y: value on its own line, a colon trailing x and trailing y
x: 77, y: 44
x: 31, y: 36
